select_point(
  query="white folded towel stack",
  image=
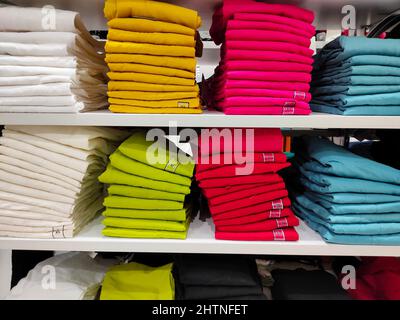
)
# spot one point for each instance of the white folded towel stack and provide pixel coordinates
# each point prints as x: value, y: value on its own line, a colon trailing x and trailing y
x: 49, y: 184
x: 49, y: 62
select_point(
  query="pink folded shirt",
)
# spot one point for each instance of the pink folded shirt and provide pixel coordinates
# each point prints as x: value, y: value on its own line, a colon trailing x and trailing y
x: 265, y: 225
x: 267, y: 35
x: 237, y: 24
x: 257, y: 65
x: 276, y: 111
x: 266, y: 56
x: 306, y: 28
x: 263, y: 102
x: 291, y: 86
x: 278, y: 204
x: 271, y: 214
x: 233, y: 196
x: 287, y: 234
x: 269, y: 76
x: 268, y: 46
x: 257, y: 178
x: 248, y: 202
x: 244, y: 92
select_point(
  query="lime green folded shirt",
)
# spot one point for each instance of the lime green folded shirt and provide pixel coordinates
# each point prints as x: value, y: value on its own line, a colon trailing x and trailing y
x: 138, y: 192
x: 147, y: 224
x: 137, y: 148
x: 144, y: 234
x: 115, y: 176
x: 129, y: 165
x: 135, y: 281
x: 174, y: 215
x: 137, y: 203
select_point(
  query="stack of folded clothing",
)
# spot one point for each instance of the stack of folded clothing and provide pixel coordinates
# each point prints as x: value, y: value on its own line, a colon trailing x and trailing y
x: 250, y: 201
x: 135, y: 281
x: 348, y: 199
x: 49, y: 63
x: 151, y: 51
x: 357, y: 76
x: 216, y: 277
x: 146, y: 198
x: 266, y: 62
x: 49, y: 178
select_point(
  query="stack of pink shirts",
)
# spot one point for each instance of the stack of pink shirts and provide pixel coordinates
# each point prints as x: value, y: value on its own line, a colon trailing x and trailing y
x: 252, y: 205
x: 266, y: 61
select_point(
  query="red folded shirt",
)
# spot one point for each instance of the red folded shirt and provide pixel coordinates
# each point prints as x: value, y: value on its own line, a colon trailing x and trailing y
x: 266, y: 225
x: 256, y: 178
x: 234, y: 170
x: 248, y: 202
x: 268, y: 46
x: 271, y: 214
x: 307, y: 28
x: 266, y: 56
x: 215, y: 192
x: 288, y: 234
x: 234, y: 196
x: 267, y: 110
x: 252, y: 84
x: 250, y: 65
x: 263, y: 140
x: 277, y: 204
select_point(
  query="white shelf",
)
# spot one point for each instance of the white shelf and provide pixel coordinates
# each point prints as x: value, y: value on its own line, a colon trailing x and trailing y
x: 206, y: 120
x: 200, y: 240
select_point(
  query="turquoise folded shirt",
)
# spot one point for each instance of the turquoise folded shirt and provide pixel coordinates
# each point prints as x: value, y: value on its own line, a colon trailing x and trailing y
x: 351, y: 197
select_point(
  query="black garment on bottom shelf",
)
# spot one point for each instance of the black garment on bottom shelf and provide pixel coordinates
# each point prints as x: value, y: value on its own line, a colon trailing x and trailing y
x: 216, y: 277
x: 306, y: 285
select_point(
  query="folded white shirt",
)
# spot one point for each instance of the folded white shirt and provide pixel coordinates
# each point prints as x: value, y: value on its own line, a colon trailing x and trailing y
x: 32, y: 215
x: 21, y: 49
x: 36, y: 224
x: 33, y: 80
x: 57, y: 62
x: 38, y: 101
x: 49, y: 89
x: 78, y: 277
x: 42, y: 109
x: 29, y: 170
x: 16, y: 71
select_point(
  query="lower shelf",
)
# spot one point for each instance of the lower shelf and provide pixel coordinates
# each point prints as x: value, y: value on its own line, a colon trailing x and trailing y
x: 200, y: 240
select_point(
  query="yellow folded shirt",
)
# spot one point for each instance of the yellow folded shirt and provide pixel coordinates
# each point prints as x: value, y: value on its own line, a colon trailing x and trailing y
x: 143, y: 95
x: 170, y: 62
x: 130, y: 109
x: 175, y: 103
x: 146, y: 25
x: 142, y: 86
x: 170, y: 39
x: 146, y: 48
x: 145, y: 68
x: 149, y: 78
x: 159, y: 11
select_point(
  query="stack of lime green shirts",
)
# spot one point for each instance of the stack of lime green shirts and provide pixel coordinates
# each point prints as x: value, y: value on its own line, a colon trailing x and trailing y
x: 135, y: 281
x: 146, y: 199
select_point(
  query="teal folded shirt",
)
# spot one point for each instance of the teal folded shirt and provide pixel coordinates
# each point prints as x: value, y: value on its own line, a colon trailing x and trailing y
x: 351, y: 197
x: 357, y: 110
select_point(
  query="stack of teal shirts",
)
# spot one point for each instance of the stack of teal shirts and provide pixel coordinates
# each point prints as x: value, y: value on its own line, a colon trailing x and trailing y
x: 348, y: 199
x: 146, y: 199
x: 357, y: 76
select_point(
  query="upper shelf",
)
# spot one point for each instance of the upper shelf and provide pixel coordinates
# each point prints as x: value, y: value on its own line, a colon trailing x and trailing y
x: 200, y: 239
x: 209, y: 119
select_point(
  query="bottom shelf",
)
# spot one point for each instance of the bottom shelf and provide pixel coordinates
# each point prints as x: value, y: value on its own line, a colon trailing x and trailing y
x: 200, y: 240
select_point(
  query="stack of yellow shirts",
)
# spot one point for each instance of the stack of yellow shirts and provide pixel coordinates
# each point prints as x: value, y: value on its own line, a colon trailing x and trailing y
x: 150, y: 50
x: 146, y: 198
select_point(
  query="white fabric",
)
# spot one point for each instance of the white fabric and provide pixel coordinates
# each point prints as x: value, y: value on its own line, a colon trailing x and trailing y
x: 15, y: 223
x: 38, y: 101
x: 57, y: 62
x: 50, y: 234
x: 78, y: 277
x: 75, y: 164
x: 31, y: 215
x: 36, y: 184
x: 34, y: 192
x: 68, y: 38
x: 36, y: 160
x: 17, y: 208
x: 21, y: 49
x: 49, y: 89
x: 42, y: 109
x: 38, y: 172
x: 16, y: 71
x: 34, y: 19
x: 33, y: 80
x: 51, y: 145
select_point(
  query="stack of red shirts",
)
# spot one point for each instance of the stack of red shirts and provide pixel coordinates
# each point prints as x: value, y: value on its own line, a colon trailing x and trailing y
x: 266, y: 60
x: 251, y: 206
